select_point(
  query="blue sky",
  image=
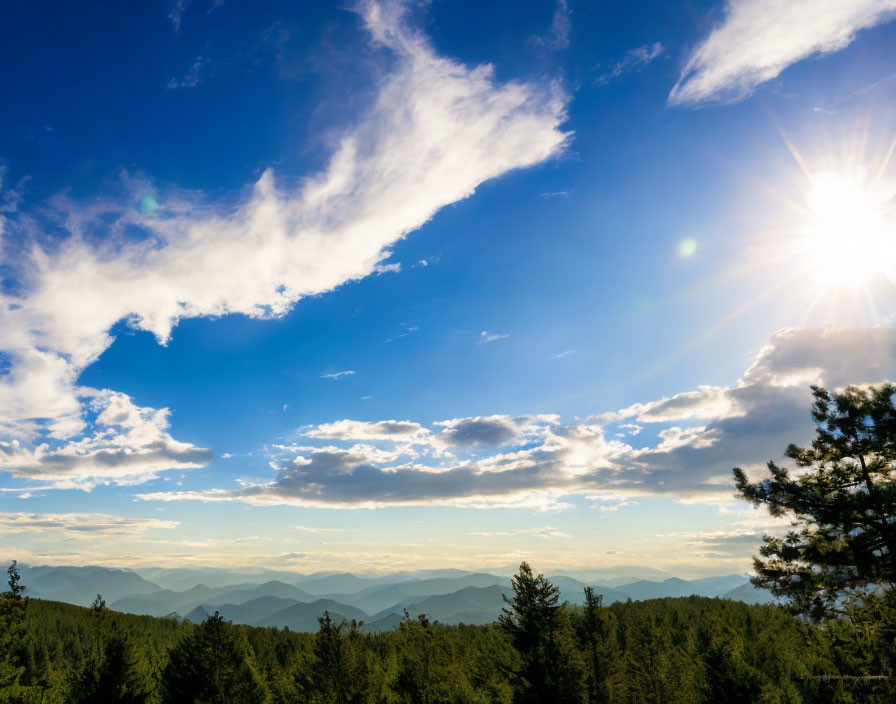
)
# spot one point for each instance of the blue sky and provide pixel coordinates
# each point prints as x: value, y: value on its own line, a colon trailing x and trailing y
x: 351, y: 286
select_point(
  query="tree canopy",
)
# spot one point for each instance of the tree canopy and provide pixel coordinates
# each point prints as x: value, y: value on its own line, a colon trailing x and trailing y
x: 842, y: 500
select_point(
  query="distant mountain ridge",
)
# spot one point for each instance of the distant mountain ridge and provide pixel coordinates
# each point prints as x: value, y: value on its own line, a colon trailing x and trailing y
x: 449, y: 596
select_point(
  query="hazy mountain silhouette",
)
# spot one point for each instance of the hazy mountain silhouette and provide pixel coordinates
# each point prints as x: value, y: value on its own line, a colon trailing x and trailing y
x: 254, y: 598
x: 749, y: 594
x: 80, y: 585
x: 303, y: 617
x: 673, y: 587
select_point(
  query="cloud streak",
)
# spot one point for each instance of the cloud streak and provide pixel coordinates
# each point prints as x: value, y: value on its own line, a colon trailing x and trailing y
x: 633, y: 61
x: 338, y: 375
x: 80, y: 525
x: 757, y: 39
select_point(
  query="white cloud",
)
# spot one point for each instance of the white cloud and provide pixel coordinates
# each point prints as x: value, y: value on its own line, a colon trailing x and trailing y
x: 338, y: 375
x: 396, y: 430
x: 505, y: 461
x: 561, y: 25
x: 393, y: 268
x: 633, y: 61
x: 706, y: 402
x: 436, y: 130
x: 79, y: 525
x: 311, y: 529
x: 758, y: 39
x: 130, y: 444
x: 486, y: 336
x: 10, y: 198
x: 491, y: 431
x: 545, y: 532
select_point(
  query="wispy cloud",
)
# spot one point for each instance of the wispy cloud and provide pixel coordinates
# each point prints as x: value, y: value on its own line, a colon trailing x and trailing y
x: 757, y: 39
x: 435, y: 130
x: 80, y: 525
x: 312, y: 529
x: 557, y: 36
x: 192, y: 77
x: 486, y: 336
x: 338, y: 375
x: 561, y: 25
x: 633, y: 61
x: 177, y: 11
x: 545, y: 532
x: 393, y: 268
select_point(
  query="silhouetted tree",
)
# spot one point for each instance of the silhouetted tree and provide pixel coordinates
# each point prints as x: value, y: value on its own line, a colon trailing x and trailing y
x: 843, y: 503
x: 99, y: 605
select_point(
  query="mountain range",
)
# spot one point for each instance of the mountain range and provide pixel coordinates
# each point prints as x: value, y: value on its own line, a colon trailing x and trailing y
x: 279, y: 598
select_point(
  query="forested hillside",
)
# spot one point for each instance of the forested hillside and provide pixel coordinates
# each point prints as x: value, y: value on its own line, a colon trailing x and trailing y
x: 692, y: 649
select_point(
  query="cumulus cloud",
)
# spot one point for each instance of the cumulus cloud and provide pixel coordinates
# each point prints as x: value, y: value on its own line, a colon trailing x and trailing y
x: 633, y: 61
x: 536, y: 461
x: 757, y: 39
x: 131, y: 444
x: 362, y: 430
x: 79, y: 525
x: 490, y: 431
x: 435, y: 131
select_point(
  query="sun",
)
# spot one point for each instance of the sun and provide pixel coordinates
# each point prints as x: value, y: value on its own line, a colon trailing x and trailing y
x: 851, y: 234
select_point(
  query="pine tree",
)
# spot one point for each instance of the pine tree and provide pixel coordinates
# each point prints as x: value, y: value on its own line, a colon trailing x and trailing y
x: 538, y: 631
x: 331, y: 677
x: 212, y: 666
x: 113, y: 673
x: 595, y: 634
x: 843, y: 504
x: 13, y: 607
x: 421, y: 678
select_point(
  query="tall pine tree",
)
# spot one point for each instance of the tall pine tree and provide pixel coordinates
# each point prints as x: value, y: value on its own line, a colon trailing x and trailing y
x: 551, y: 670
x: 212, y: 666
x: 113, y: 672
x: 13, y: 607
x: 843, y: 503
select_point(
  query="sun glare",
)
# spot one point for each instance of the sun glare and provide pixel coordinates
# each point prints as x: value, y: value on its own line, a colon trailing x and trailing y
x: 851, y: 237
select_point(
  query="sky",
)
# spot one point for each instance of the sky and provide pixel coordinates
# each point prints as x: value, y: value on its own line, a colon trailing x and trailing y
x: 389, y: 285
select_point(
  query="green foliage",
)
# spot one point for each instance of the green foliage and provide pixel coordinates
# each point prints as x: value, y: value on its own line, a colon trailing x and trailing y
x: 692, y: 650
x: 13, y: 608
x: 212, y: 665
x: 339, y: 672
x: 551, y: 668
x: 843, y: 504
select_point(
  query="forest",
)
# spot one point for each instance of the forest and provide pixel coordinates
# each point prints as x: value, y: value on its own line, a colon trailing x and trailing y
x: 831, y: 637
